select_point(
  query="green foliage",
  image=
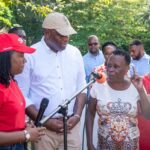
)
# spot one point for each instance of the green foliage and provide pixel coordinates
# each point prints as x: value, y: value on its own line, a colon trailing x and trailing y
x: 108, y: 19
x: 5, y: 15
x: 118, y: 20
x: 30, y: 16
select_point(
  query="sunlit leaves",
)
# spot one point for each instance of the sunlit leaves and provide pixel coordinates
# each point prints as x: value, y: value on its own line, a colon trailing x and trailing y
x: 5, y: 15
x: 117, y: 20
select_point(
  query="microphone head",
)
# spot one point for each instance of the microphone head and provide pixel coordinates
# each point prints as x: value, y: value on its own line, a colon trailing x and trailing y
x: 44, y: 102
x: 102, y: 77
x: 99, y: 76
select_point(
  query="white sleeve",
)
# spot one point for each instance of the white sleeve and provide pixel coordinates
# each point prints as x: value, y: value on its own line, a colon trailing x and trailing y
x: 24, y: 79
x: 81, y: 82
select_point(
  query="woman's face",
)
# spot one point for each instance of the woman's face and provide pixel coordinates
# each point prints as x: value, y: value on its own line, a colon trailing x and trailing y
x: 108, y: 51
x: 117, y: 68
x: 17, y: 62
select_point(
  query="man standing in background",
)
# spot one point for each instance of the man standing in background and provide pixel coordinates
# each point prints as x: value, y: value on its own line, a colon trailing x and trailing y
x: 18, y: 31
x: 94, y: 56
x: 140, y: 59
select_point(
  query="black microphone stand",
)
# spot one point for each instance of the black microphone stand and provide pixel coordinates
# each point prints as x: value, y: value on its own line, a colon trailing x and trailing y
x: 63, y: 109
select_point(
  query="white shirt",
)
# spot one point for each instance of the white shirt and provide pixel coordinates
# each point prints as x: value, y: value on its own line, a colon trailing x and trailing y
x: 142, y: 65
x: 117, y: 112
x: 56, y: 76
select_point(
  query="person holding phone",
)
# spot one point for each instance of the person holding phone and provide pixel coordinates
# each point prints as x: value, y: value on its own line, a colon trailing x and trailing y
x: 115, y: 101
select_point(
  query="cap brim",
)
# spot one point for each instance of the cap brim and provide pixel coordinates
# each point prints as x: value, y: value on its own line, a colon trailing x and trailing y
x: 66, y: 31
x: 24, y: 49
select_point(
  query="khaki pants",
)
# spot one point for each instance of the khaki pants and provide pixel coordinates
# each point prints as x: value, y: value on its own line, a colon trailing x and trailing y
x: 55, y: 141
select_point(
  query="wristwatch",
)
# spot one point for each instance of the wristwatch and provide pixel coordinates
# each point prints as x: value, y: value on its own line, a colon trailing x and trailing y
x: 27, y: 135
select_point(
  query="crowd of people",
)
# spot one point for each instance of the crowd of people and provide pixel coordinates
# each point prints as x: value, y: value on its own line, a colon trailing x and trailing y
x: 55, y: 70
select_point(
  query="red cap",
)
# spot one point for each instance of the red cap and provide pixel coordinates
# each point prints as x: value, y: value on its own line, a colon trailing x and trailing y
x: 9, y: 41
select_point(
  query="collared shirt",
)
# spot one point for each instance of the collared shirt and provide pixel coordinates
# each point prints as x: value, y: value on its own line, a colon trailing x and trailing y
x: 142, y: 65
x: 56, y: 76
x: 91, y: 61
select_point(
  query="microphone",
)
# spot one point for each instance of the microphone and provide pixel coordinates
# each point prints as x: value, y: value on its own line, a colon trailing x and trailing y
x: 99, y: 76
x: 43, y: 105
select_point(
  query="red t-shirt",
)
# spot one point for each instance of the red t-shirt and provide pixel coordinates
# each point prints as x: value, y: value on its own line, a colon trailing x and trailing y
x: 12, y: 108
x: 144, y: 125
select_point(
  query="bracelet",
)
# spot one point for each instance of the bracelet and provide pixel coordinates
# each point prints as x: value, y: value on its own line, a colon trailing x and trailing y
x: 78, y: 116
x: 27, y: 135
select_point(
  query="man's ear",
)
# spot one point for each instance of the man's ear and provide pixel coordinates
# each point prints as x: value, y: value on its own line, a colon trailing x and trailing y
x: 142, y: 48
x: 47, y: 33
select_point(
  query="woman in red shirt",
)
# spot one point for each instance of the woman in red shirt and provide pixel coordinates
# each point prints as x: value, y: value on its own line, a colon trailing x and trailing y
x: 144, y: 124
x: 13, y: 131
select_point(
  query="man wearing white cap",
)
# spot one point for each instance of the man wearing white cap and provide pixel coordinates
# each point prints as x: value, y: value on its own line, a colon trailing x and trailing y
x: 55, y: 71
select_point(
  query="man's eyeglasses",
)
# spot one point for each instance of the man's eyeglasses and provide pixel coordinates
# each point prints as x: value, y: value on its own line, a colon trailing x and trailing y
x: 91, y: 44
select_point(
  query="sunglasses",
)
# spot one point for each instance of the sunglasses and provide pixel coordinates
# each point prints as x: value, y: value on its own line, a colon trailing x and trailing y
x: 91, y: 44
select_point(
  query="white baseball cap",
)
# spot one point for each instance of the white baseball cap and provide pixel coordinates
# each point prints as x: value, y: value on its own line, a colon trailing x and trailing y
x: 59, y: 22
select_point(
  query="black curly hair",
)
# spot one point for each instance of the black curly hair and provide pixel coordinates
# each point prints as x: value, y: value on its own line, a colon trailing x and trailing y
x: 5, y: 68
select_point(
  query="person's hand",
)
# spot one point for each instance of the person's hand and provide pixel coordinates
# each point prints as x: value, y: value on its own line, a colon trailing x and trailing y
x: 72, y: 121
x: 55, y: 125
x: 136, y: 80
x: 36, y: 133
x: 30, y: 124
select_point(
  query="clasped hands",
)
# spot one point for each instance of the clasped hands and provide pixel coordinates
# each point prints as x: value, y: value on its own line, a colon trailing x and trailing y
x: 56, y: 125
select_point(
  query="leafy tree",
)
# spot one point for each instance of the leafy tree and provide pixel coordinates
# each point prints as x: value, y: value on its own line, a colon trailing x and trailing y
x: 30, y: 16
x: 5, y: 15
x: 119, y: 21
